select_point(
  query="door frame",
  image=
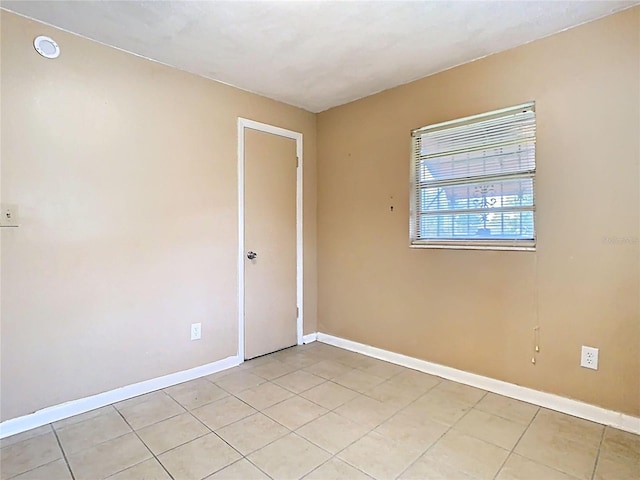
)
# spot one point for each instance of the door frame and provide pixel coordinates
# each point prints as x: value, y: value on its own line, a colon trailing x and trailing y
x: 244, y: 123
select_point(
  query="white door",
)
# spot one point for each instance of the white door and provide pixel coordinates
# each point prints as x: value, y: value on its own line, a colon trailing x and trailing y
x: 270, y: 310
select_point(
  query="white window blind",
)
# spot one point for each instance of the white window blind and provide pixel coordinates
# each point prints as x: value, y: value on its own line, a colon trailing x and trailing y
x: 473, y: 181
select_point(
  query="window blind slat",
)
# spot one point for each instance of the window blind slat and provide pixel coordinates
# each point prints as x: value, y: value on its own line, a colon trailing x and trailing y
x: 474, y: 179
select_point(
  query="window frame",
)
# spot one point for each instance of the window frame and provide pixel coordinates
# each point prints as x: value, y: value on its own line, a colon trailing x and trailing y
x: 467, y: 243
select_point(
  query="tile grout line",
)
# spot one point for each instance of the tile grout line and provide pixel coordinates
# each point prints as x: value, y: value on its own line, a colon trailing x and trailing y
x: 512, y: 451
x: 184, y: 443
x: 331, y: 455
x: 250, y: 462
x: 146, y: 446
x: 258, y: 411
x: 64, y: 455
x: 47, y: 463
x: 444, y: 433
x: 242, y: 456
x: 297, y: 368
x: 595, y: 464
x: 425, y: 452
x: 374, y: 428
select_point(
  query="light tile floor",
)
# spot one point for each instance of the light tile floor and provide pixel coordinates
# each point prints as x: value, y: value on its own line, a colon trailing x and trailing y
x: 319, y: 412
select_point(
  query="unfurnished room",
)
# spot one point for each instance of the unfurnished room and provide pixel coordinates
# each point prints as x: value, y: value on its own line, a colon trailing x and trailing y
x: 320, y: 240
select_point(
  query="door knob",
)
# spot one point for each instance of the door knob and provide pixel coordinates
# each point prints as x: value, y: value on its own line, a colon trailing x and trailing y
x: 251, y: 255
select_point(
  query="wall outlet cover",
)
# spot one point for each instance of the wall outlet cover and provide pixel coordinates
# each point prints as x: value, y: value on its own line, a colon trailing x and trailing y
x: 196, y: 331
x: 589, y: 357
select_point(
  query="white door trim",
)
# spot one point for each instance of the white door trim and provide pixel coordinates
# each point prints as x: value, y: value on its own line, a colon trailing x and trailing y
x: 244, y: 123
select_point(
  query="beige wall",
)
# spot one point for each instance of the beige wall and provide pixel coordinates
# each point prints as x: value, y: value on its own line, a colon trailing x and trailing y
x: 124, y: 172
x: 125, y: 175
x: 476, y: 310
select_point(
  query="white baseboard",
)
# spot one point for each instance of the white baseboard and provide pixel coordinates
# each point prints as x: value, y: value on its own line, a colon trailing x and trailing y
x: 554, y: 402
x: 312, y: 337
x: 75, y: 407
x: 548, y: 400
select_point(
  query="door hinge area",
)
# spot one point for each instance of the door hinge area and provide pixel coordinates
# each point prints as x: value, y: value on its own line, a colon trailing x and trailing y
x: 297, y: 312
x: 297, y: 162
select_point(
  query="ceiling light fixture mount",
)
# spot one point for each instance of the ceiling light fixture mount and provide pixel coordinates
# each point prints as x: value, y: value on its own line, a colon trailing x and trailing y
x: 46, y: 46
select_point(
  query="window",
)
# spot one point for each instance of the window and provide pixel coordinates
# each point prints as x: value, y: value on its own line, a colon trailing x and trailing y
x: 473, y: 181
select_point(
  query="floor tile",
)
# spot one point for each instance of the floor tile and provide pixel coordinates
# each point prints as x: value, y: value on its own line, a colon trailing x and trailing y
x: 561, y: 443
x: 414, y: 432
x: 19, y: 437
x: 328, y: 369
x: 273, y: 370
x: 491, y: 428
x: 624, y: 444
x: 336, y: 469
x: 321, y: 350
x: 241, y: 470
x: 366, y: 411
x: 91, y: 432
x: 263, y: 396
x: 83, y: 416
x: 414, y: 381
x: 378, y: 456
x: 619, y: 455
x: 147, y: 470
x: 358, y: 380
x: 299, y: 381
x: 252, y: 433
x: 438, y: 407
x: 589, y: 433
x: 468, y: 455
x: 170, y: 433
x: 108, y: 458
x: 130, y: 402
x: 332, y: 432
x: 28, y: 454
x: 351, y: 359
x: 290, y: 457
x: 615, y: 467
x: 430, y: 468
x: 382, y: 369
x: 520, y: 468
x: 295, y: 412
x: 196, y: 393
x: 214, y: 377
x: 239, y: 381
x: 223, y: 412
x: 400, y: 423
x: 392, y: 395
x: 56, y: 470
x: 198, y: 458
x: 458, y: 392
x: 280, y: 355
x: 300, y: 360
x: 509, y: 408
x: 258, y: 361
x: 154, y: 408
x: 329, y: 395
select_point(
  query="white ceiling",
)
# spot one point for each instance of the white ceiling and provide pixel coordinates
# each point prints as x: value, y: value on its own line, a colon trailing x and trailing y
x: 315, y: 54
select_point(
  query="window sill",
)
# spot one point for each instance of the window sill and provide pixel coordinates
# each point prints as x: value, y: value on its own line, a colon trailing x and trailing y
x: 463, y: 246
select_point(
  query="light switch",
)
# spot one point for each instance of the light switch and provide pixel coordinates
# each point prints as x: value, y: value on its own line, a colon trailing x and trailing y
x: 9, y: 215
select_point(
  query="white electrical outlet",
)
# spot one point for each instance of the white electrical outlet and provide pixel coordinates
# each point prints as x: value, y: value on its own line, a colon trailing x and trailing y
x: 589, y: 358
x: 196, y: 331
